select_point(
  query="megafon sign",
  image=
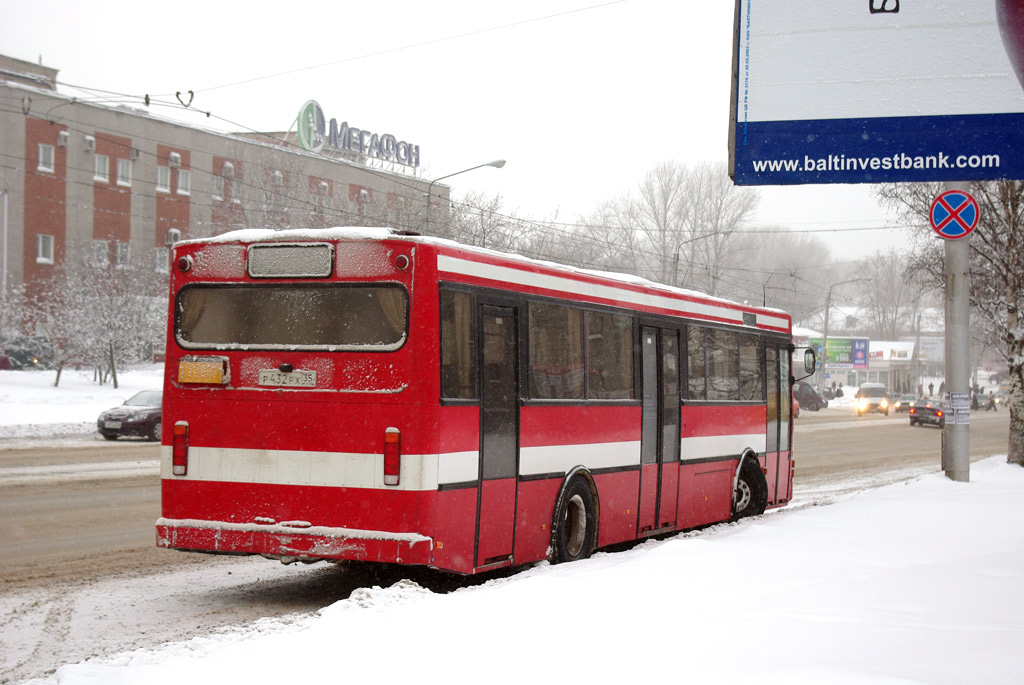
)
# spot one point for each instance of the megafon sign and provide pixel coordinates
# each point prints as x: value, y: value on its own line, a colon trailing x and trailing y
x: 872, y: 91
x: 315, y: 135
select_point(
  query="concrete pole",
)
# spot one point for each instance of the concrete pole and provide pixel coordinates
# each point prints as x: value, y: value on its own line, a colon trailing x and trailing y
x: 956, y: 437
x: 5, y: 249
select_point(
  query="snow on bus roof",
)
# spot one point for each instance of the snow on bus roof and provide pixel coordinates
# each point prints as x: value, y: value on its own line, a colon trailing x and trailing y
x: 256, y: 235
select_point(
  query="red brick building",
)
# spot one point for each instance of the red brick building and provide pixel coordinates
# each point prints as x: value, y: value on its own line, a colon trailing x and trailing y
x: 124, y: 184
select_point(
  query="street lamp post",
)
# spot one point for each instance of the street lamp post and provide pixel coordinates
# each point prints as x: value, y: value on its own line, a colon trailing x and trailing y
x: 497, y: 164
x: 824, y: 338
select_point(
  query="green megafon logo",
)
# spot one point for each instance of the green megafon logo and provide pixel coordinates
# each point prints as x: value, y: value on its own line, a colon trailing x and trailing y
x: 312, y: 127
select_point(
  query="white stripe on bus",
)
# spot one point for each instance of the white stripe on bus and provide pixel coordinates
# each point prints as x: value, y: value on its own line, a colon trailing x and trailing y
x: 505, y: 274
x: 424, y: 472
x: 707, y: 446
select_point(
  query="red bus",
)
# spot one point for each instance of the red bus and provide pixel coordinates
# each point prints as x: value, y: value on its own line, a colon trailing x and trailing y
x: 361, y: 394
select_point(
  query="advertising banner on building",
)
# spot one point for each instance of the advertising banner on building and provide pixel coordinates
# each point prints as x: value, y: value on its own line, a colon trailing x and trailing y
x: 843, y: 353
x: 872, y: 91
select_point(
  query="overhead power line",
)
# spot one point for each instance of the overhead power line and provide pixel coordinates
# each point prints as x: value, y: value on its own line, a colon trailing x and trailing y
x: 412, y: 46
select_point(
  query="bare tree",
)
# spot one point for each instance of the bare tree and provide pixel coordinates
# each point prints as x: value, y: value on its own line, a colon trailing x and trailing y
x: 997, y: 271
x: 614, y: 240
x: 677, y: 227
x: 719, y: 208
x: 889, y: 296
x: 778, y: 268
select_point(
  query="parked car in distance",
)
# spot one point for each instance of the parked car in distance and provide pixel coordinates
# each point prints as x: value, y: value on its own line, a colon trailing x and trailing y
x: 872, y: 397
x: 903, y: 403
x: 139, y: 416
x: 808, y: 397
x: 928, y: 411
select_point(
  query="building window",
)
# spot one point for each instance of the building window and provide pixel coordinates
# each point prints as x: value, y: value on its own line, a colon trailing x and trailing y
x: 122, y: 254
x: 163, y: 179
x: 124, y: 172
x: 162, y: 256
x: 44, y: 249
x: 101, y: 168
x: 100, y: 252
x: 184, y: 182
x: 46, y: 158
x: 218, y: 187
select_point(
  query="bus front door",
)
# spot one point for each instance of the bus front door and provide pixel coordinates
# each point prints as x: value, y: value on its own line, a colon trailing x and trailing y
x: 778, y: 455
x: 499, y: 441
x: 659, y: 432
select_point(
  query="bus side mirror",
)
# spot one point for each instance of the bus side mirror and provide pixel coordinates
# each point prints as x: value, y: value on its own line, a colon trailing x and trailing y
x: 810, y: 362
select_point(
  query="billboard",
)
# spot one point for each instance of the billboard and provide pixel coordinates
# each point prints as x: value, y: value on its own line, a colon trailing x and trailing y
x: 872, y: 91
x: 843, y: 353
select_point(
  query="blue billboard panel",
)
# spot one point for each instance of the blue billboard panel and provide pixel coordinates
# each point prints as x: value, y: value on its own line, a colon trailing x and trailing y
x: 872, y: 91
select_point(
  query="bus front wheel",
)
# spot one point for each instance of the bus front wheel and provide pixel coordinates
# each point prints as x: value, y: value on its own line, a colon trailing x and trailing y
x: 574, y: 527
x: 751, y: 496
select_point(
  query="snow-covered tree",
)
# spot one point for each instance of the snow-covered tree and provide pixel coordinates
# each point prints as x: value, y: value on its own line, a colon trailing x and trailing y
x: 98, y: 313
x: 997, y: 271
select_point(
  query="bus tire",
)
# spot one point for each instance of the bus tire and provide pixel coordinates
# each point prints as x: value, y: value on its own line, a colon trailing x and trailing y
x: 751, y: 496
x: 574, y: 526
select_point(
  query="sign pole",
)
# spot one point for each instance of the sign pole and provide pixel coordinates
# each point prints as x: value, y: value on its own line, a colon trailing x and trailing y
x: 956, y: 437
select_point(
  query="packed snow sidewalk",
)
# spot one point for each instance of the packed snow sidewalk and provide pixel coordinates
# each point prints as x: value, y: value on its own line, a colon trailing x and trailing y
x: 914, y: 582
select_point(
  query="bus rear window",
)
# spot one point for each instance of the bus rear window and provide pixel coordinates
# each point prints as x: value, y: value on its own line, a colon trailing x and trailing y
x: 289, y: 316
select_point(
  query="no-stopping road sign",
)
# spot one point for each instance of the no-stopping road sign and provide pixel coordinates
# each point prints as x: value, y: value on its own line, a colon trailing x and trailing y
x: 954, y: 214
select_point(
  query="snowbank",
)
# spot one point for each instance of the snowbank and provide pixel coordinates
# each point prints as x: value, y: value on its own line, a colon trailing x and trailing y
x: 31, y: 407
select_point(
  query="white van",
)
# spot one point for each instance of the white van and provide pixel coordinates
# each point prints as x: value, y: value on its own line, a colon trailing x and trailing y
x: 871, y: 397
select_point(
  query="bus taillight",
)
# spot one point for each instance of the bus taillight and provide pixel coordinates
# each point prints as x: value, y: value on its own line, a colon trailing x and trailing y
x: 179, y: 450
x: 392, y: 455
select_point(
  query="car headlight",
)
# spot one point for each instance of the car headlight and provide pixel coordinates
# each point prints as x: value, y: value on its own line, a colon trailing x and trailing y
x: 862, y: 403
x: 885, y: 403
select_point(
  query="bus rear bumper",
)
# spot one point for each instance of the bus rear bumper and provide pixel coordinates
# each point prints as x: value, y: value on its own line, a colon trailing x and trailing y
x: 293, y: 541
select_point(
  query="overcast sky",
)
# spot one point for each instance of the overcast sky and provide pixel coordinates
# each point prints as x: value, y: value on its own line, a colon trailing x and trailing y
x: 581, y: 97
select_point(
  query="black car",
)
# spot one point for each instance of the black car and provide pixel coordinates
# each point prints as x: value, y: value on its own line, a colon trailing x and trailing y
x: 928, y: 411
x: 139, y: 416
x: 808, y: 397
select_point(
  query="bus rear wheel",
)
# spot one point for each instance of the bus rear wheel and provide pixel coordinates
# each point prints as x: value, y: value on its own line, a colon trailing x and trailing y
x: 751, y: 496
x: 574, y: 527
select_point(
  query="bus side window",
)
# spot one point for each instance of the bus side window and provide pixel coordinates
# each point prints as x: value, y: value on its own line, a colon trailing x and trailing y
x: 458, y: 349
x: 751, y: 369
x: 556, y: 352
x: 696, y: 365
x: 723, y: 365
x: 609, y: 356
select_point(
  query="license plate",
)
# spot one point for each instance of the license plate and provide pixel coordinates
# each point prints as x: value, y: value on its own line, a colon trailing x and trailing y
x: 272, y: 378
x: 112, y: 425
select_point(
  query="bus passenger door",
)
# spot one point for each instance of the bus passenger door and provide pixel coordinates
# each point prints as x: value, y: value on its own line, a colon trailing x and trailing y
x: 499, y: 431
x: 777, y: 453
x: 659, y: 437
